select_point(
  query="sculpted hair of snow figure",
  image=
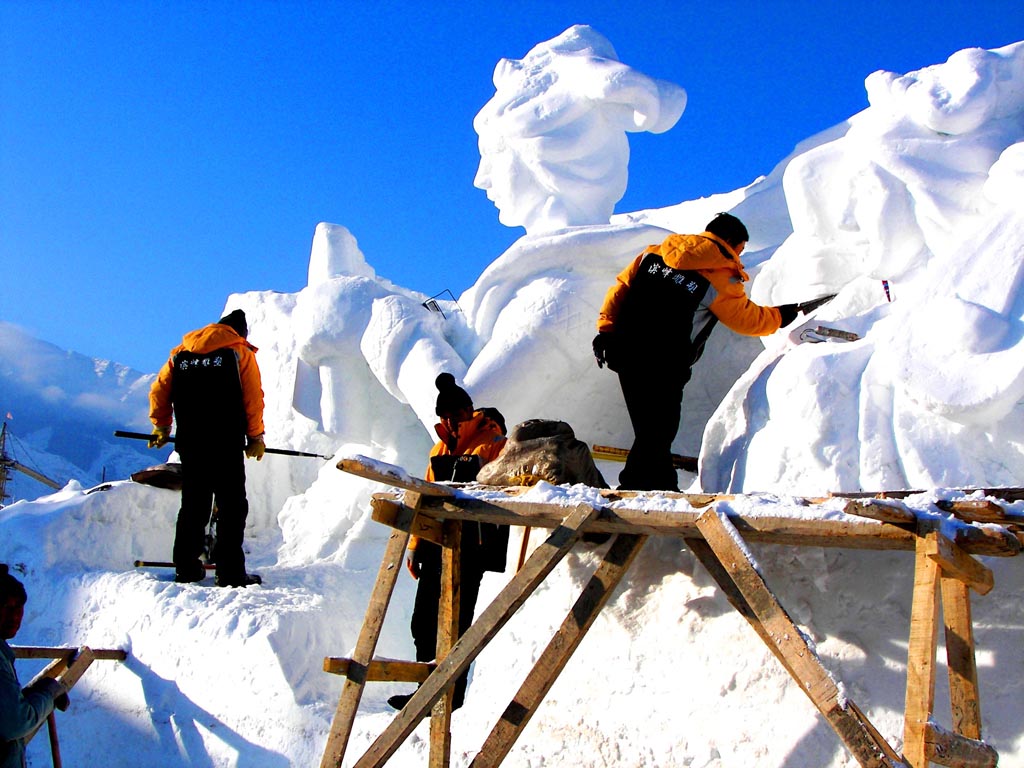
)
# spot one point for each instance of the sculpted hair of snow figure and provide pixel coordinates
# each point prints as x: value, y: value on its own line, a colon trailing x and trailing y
x: 553, y: 147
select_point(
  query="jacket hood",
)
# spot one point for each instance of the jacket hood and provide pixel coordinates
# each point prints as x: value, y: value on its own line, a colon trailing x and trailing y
x: 213, y: 336
x: 703, y: 251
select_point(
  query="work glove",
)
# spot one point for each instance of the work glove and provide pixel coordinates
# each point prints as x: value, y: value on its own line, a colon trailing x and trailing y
x: 48, y: 686
x: 604, y: 345
x: 161, y: 436
x: 788, y: 312
x: 255, y: 447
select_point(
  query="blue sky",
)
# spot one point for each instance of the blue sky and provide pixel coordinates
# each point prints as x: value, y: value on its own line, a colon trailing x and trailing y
x: 156, y: 157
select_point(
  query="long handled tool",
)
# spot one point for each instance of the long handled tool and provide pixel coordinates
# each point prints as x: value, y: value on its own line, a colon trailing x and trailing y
x: 280, y: 451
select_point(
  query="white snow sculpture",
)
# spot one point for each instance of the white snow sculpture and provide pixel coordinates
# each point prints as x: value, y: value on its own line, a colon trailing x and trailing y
x: 923, y: 190
x: 553, y: 149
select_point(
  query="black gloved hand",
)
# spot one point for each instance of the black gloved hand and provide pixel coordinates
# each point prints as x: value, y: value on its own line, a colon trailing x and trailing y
x: 788, y: 312
x: 603, y: 344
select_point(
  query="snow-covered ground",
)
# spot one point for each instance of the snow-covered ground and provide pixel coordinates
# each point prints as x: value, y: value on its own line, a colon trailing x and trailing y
x: 920, y: 190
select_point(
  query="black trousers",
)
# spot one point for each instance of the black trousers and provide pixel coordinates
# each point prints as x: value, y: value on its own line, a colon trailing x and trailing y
x: 209, y: 477
x: 425, y: 607
x: 654, y: 402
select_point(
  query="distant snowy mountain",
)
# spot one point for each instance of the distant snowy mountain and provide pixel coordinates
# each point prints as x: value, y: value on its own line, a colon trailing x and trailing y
x: 62, y: 409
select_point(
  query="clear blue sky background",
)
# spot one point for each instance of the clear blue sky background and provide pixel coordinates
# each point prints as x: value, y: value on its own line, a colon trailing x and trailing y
x: 156, y: 157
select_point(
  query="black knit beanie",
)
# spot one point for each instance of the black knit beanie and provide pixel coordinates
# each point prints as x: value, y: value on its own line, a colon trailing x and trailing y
x: 236, y: 320
x: 450, y: 396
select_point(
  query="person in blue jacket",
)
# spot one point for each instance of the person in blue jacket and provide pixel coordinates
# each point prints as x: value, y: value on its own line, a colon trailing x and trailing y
x: 22, y: 710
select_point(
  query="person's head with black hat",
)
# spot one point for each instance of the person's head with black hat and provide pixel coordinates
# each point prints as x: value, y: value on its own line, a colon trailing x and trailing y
x: 454, y: 404
x: 236, y: 320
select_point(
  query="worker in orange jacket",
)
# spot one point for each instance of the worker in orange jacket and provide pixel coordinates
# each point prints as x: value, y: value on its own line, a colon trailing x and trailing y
x: 211, y: 386
x: 654, y: 323
x: 468, y: 439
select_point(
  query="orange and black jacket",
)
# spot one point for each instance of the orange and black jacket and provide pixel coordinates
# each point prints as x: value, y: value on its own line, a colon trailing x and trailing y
x: 680, y: 288
x: 211, y: 386
x: 480, y: 438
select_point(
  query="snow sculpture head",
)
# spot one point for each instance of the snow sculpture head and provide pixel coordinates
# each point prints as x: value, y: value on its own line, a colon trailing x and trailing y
x: 553, y: 149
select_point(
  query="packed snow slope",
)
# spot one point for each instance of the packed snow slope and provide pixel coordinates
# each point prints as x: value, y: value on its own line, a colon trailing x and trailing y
x: 61, y: 410
x: 919, y: 190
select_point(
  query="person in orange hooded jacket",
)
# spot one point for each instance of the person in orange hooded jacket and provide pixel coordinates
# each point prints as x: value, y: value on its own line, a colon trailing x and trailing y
x: 211, y: 387
x: 468, y: 439
x: 654, y: 323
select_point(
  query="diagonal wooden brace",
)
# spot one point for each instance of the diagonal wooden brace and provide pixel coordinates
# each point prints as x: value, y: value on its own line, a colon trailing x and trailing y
x: 740, y: 578
x: 494, y: 617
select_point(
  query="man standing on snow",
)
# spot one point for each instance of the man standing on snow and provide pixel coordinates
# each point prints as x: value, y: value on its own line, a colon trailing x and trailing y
x: 211, y: 386
x: 654, y: 323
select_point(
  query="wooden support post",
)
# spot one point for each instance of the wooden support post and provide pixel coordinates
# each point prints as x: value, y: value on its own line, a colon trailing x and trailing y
x: 524, y: 547
x: 594, y: 597
x: 924, y: 623
x: 963, y: 670
x: 352, y: 692
x: 523, y: 584
x: 784, y: 638
x: 447, y: 635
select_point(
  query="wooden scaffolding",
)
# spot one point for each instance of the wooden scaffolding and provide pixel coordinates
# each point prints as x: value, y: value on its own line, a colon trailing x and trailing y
x: 946, y: 569
x: 67, y: 667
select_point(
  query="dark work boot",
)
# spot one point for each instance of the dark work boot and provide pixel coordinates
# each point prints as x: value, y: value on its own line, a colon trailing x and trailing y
x: 245, y: 580
x: 189, y: 573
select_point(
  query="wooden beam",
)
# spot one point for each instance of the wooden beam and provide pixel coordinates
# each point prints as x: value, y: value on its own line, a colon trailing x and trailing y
x: 391, y: 475
x: 788, y: 643
x: 876, y: 509
x: 793, y: 531
x: 979, y: 510
x: 963, y: 671
x: 947, y: 748
x: 924, y: 621
x: 352, y: 691
x: 66, y: 653
x: 383, y: 670
x: 957, y: 564
x: 595, y: 596
x: 83, y: 659
x: 515, y: 593
x: 395, y: 514
x: 629, y: 512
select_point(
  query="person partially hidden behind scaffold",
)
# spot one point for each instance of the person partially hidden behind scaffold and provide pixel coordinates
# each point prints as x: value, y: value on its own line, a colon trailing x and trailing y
x: 468, y: 439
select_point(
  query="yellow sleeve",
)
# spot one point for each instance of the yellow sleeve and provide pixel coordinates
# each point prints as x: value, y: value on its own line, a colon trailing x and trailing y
x: 737, y: 312
x: 252, y: 392
x: 161, y: 412
x: 616, y: 295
